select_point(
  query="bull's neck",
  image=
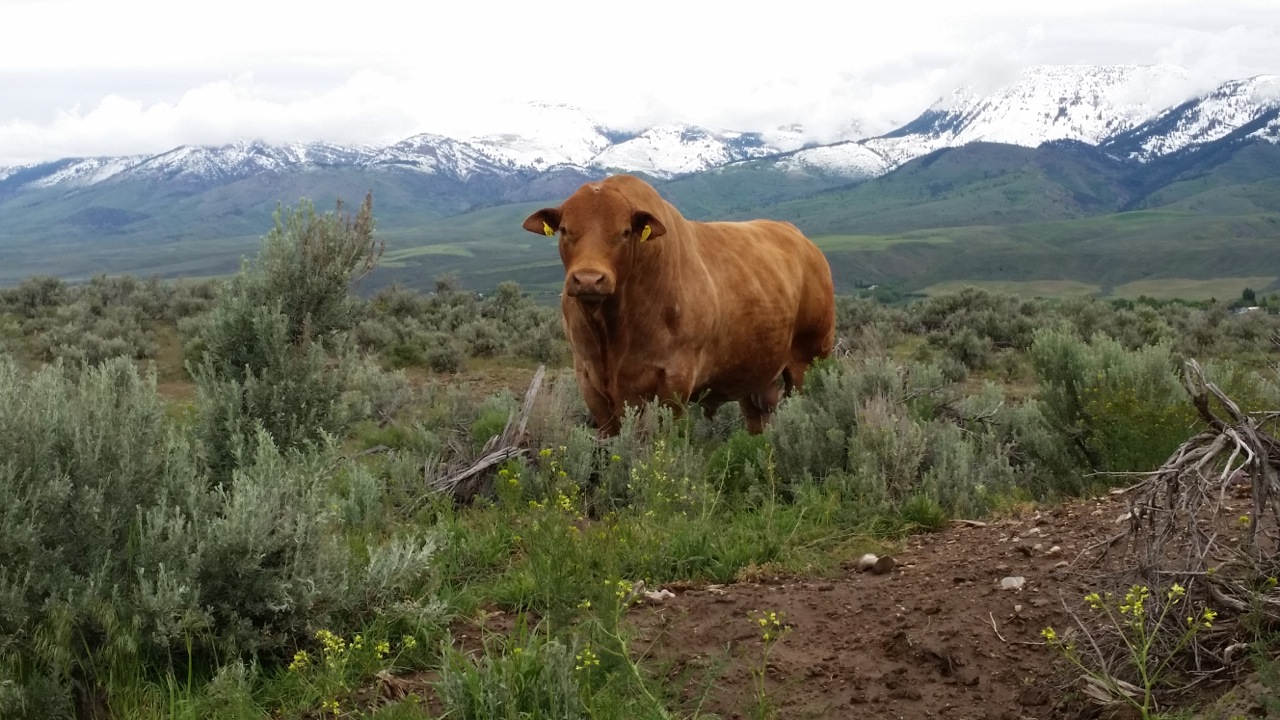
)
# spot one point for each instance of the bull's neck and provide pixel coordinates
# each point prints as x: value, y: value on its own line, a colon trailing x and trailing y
x: 660, y: 271
x: 656, y: 282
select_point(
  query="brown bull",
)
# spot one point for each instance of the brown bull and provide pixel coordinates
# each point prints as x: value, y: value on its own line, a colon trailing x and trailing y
x: 657, y: 306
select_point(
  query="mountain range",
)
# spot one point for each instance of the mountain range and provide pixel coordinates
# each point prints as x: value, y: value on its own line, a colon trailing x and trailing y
x: 1061, y: 144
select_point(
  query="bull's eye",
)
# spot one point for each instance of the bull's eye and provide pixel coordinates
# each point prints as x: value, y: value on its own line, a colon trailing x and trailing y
x: 626, y: 233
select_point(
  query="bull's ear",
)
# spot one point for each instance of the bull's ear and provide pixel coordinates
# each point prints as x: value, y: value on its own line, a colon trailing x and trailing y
x: 647, y: 226
x: 544, y: 222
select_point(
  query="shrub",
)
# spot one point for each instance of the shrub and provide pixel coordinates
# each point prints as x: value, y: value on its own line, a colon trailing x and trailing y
x: 538, y: 678
x: 810, y: 433
x: 118, y: 561
x: 374, y: 393
x: 263, y: 364
x: 252, y: 378
x: 1117, y: 409
x: 740, y: 462
x: 444, y: 354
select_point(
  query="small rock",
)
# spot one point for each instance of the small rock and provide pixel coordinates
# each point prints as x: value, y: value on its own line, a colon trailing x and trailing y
x: 883, y: 565
x: 1055, y: 550
x: 1061, y: 564
x: 1013, y: 583
x: 1017, y: 608
x: 1037, y: 547
x: 1033, y: 531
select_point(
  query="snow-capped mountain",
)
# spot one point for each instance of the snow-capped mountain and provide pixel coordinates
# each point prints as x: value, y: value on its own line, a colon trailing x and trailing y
x: 199, y: 163
x: 1204, y: 119
x: 678, y: 149
x: 1271, y: 130
x: 1086, y: 103
x: 852, y: 160
x: 544, y: 135
x: 548, y: 137
x: 438, y: 155
x: 86, y: 171
x: 1134, y: 112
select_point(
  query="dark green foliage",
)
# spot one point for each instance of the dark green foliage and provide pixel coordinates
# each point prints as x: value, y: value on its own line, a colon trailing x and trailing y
x: 971, y: 321
x: 740, y: 462
x: 306, y: 267
x: 1117, y: 409
x: 443, y: 354
x: 35, y: 294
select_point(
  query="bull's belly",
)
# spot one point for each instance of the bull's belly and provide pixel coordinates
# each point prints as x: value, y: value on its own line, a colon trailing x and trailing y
x: 731, y: 387
x: 683, y: 381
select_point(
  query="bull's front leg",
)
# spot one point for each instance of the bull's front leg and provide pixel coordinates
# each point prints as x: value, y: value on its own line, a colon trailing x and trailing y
x: 606, y: 414
x: 671, y: 386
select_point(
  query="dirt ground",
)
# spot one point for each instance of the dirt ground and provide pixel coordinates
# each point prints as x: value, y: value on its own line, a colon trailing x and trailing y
x: 936, y: 637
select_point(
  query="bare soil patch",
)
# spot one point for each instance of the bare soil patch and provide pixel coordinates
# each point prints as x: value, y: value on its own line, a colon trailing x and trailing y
x: 935, y: 638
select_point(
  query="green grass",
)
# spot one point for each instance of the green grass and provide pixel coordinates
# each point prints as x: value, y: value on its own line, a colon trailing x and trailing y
x: 1027, y: 289
x: 410, y: 252
x: 1187, y: 289
x: 844, y: 243
x: 983, y: 213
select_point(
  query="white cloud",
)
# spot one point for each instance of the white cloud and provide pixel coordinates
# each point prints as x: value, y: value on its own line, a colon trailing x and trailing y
x: 81, y: 77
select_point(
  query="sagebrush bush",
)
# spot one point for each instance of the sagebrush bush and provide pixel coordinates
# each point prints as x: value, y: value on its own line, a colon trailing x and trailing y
x: 811, y: 432
x: 118, y: 557
x: 441, y: 330
x: 534, y: 679
x: 373, y: 393
x: 252, y: 378
x: 998, y: 319
x: 1116, y: 409
x: 272, y: 354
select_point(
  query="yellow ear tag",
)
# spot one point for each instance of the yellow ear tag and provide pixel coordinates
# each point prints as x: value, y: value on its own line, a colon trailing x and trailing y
x: 546, y: 229
x: 644, y: 234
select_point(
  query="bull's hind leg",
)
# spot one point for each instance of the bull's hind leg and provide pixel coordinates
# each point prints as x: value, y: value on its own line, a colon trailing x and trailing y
x: 757, y: 408
x: 804, y: 350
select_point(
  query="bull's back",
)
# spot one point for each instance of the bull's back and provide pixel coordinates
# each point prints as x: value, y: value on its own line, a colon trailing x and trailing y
x: 773, y: 287
x: 761, y: 258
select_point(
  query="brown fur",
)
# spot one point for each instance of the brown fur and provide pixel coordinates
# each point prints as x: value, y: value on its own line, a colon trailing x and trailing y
x: 711, y: 312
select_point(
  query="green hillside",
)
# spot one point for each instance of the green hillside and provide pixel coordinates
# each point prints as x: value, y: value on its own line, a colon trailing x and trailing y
x: 1063, y: 215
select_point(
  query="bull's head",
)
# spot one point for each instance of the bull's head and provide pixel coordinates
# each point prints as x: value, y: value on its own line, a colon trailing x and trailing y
x: 598, y: 228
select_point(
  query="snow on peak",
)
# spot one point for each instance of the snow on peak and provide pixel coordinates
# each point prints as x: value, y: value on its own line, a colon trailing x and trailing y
x: 88, y: 171
x: 1088, y: 103
x: 1066, y: 102
x: 848, y: 159
x: 669, y: 150
x: 548, y: 135
x: 434, y: 154
x: 1205, y: 119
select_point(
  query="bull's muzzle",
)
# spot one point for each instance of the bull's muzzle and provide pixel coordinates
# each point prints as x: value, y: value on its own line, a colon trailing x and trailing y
x: 589, y: 285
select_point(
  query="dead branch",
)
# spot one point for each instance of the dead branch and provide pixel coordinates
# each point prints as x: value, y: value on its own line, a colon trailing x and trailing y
x: 460, y: 482
x: 1184, y: 526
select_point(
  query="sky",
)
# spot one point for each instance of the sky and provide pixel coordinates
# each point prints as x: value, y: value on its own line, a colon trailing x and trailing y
x: 112, y: 77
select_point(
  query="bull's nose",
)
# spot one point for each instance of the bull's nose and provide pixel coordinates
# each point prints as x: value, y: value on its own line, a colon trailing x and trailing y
x: 586, y: 282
